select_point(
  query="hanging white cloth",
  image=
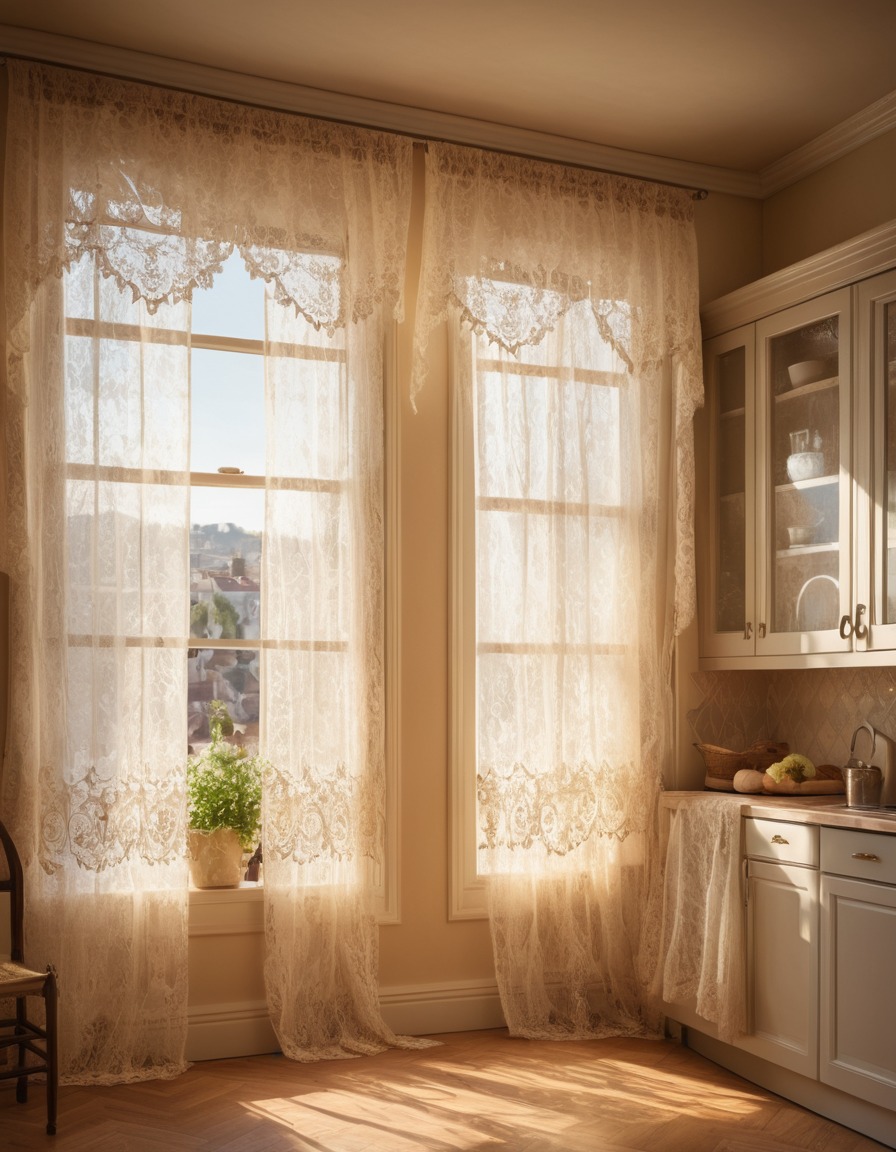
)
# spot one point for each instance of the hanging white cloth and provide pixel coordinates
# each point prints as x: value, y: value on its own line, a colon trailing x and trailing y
x: 702, y: 948
x: 123, y: 199
x: 580, y: 292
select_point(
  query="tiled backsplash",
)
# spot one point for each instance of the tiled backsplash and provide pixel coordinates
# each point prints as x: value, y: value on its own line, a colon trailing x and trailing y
x: 816, y: 711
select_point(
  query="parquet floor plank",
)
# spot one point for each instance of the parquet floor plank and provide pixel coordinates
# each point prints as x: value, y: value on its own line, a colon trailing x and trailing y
x: 477, y: 1092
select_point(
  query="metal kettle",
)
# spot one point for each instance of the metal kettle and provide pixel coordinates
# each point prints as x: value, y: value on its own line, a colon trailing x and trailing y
x: 864, y: 780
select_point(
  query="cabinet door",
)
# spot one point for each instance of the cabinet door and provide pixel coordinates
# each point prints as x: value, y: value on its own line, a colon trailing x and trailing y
x: 876, y: 462
x: 803, y: 487
x: 729, y: 620
x: 858, y: 1008
x: 782, y: 965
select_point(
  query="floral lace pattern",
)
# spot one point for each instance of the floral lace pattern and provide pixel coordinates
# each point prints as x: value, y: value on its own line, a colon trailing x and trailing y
x: 163, y: 185
x: 101, y: 823
x: 561, y: 809
x: 310, y: 816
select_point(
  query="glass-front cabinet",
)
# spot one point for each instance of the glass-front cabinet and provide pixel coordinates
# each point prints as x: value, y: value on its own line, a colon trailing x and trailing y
x: 779, y: 578
x: 728, y: 606
x: 803, y: 496
x: 801, y: 539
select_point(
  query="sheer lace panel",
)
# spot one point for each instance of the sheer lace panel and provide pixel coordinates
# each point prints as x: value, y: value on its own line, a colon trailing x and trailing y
x: 164, y: 185
x: 128, y: 198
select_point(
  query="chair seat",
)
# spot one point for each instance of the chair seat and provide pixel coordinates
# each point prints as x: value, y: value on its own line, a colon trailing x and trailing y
x: 17, y: 980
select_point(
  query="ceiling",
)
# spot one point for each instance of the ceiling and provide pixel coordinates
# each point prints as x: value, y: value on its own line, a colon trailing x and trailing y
x: 737, y: 84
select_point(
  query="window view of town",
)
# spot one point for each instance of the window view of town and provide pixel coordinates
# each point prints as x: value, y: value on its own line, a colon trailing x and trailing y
x: 225, y: 603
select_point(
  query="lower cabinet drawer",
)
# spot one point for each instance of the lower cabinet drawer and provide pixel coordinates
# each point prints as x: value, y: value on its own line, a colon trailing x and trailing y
x: 781, y: 841
x: 862, y: 855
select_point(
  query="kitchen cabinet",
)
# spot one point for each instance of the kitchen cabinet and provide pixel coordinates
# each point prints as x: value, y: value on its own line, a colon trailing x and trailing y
x: 781, y: 547
x: 798, y: 534
x: 782, y: 943
x: 858, y: 960
x: 820, y: 951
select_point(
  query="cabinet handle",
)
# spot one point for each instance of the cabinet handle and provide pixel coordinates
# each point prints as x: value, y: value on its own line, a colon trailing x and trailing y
x: 866, y: 856
x: 748, y: 630
x: 861, y: 630
x: 761, y: 631
x: 845, y: 628
x: 777, y: 839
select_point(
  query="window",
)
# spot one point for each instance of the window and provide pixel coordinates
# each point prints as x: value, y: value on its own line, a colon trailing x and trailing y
x: 255, y: 399
x: 542, y: 542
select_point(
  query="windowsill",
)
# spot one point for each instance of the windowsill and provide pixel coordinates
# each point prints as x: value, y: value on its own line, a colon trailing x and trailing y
x: 248, y: 891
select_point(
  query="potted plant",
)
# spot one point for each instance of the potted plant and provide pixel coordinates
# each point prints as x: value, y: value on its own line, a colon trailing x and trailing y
x: 224, y: 806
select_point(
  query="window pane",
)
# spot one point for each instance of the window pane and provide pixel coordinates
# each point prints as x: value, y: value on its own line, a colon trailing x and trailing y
x: 227, y: 406
x: 523, y: 559
x: 125, y: 403
x: 126, y: 564
x: 223, y: 683
x: 309, y: 561
x: 548, y: 439
x: 225, y: 563
x: 232, y: 306
x: 308, y: 420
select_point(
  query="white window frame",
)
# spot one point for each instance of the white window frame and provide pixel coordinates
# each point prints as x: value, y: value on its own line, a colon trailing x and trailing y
x: 466, y: 888
x: 467, y: 891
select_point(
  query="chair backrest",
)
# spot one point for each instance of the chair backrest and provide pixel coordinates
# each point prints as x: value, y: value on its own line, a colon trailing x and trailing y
x: 15, y: 887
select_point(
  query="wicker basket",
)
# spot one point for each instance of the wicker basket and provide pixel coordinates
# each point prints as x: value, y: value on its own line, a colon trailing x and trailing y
x: 722, y: 764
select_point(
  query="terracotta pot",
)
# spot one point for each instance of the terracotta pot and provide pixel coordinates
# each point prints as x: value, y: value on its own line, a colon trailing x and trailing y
x: 216, y: 858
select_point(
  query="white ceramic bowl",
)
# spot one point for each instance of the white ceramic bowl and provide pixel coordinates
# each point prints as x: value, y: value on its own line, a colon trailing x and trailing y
x: 805, y: 372
x: 805, y: 465
x: 800, y: 536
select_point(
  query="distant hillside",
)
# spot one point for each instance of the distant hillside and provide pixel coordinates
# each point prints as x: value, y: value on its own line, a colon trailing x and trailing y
x: 224, y: 539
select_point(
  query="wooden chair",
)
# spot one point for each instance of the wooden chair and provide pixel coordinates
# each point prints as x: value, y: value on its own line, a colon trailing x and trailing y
x: 18, y: 982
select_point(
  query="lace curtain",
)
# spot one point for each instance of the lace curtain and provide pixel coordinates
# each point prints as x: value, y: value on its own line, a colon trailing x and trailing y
x: 156, y: 189
x: 579, y: 295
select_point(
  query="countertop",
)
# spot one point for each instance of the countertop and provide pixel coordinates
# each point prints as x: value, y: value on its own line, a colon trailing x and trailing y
x: 828, y: 810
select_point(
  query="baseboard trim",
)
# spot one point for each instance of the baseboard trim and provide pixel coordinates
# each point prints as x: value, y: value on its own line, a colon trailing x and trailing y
x: 224, y: 1031
x: 426, y: 1009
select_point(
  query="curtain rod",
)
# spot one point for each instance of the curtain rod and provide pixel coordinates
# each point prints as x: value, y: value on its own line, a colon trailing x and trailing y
x: 419, y: 137
x: 696, y: 193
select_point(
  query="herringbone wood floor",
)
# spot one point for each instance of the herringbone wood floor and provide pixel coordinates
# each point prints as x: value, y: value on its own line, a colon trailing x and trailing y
x: 478, y: 1091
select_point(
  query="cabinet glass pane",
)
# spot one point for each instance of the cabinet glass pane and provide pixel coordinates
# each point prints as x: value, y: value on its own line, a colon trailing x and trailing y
x: 890, y: 464
x: 730, y: 560
x: 805, y: 477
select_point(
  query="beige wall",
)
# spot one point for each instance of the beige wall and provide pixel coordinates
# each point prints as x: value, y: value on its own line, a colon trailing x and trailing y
x: 729, y: 243
x: 844, y: 199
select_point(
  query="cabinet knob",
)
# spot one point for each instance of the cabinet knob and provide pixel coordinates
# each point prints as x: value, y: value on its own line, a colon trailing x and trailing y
x: 866, y: 856
x: 778, y: 839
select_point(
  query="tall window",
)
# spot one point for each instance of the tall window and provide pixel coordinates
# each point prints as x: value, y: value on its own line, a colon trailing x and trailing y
x: 544, y: 551
x: 236, y: 434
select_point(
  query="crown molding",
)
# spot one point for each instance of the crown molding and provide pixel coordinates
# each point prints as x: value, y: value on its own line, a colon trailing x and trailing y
x: 426, y: 124
x: 875, y: 120
x: 863, y: 256
x: 418, y: 122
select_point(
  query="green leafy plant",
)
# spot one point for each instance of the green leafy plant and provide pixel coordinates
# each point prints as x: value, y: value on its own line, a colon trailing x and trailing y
x: 224, y: 786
